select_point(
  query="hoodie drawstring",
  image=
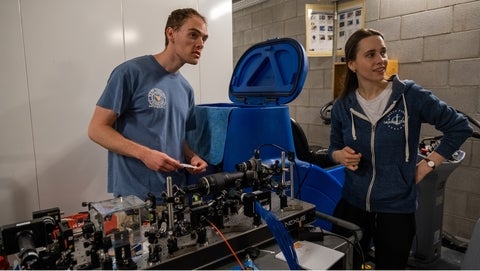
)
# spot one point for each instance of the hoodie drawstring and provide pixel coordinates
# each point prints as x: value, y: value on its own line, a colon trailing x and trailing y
x: 354, y: 135
x: 407, y: 151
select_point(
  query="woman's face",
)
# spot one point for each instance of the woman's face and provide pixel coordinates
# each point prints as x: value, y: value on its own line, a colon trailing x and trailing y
x: 371, y: 60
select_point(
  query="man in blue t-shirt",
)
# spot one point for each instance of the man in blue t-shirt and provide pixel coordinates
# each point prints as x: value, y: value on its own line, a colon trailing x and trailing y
x: 145, y: 110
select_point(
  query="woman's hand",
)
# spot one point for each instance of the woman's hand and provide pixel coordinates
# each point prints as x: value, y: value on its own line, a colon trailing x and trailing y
x: 347, y: 157
x: 422, y: 169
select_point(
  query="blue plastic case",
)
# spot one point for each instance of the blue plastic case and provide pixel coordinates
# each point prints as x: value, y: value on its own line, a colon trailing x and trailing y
x: 271, y: 72
x: 267, y: 77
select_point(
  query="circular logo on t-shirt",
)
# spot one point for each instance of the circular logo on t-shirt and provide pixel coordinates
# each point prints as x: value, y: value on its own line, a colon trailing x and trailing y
x: 395, y: 120
x: 156, y: 98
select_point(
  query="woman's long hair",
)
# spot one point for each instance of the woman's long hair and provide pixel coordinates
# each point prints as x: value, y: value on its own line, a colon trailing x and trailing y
x: 351, y: 49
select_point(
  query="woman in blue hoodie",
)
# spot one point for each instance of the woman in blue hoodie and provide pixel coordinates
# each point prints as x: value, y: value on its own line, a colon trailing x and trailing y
x: 375, y: 133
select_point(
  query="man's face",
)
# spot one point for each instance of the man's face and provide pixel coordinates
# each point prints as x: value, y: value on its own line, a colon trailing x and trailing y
x: 189, y: 40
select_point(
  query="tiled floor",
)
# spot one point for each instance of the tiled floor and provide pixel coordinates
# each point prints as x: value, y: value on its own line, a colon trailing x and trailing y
x: 449, y: 260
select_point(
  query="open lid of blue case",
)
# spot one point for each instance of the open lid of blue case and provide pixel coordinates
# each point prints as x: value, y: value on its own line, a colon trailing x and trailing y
x: 270, y: 72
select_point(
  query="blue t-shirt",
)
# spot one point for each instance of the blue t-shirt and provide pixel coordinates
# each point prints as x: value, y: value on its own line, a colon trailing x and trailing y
x: 154, y: 108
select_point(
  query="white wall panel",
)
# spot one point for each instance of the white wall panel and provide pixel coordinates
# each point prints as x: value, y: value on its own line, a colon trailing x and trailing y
x: 56, y: 58
x: 145, y: 22
x: 70, y: 47
x: 18, y: 190
x: 217, y: 60
x: 144, y: 34
x: 144, y: 31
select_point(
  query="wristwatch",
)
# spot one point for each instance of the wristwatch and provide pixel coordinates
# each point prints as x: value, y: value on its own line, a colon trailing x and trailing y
x: 430, y: 163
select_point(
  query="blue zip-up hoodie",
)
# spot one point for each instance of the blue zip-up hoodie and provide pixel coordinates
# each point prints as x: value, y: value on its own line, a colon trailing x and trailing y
x: 385, y: 178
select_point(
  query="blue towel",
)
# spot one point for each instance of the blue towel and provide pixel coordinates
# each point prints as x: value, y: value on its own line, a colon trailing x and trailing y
x: 208, y: 139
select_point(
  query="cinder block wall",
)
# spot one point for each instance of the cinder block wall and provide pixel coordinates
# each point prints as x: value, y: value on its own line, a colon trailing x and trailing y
x: 437, y: 44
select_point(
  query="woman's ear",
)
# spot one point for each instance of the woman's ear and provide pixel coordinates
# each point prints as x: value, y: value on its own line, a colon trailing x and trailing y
x: 352, y: 66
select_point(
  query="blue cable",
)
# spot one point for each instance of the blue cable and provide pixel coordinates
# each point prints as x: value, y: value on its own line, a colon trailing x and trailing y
x: 281, y: 235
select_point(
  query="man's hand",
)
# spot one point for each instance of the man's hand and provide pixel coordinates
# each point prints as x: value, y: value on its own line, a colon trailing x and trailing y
x: 199, y: 165
x: 159, y: 161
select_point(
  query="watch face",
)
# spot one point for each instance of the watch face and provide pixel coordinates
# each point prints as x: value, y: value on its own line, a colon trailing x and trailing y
x: 431, y: 163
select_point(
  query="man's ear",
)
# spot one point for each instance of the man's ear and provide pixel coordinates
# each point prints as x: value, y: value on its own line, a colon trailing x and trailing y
x: 169, y: 32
